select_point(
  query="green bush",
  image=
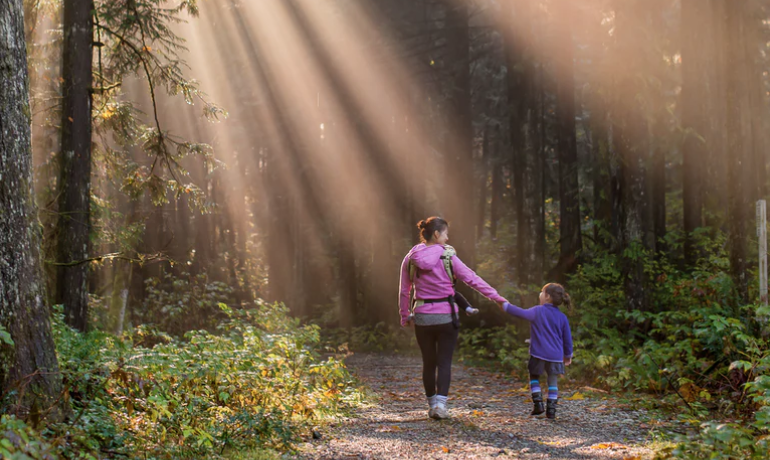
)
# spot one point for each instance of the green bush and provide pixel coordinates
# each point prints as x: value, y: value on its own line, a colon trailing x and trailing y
x: 258, y: 382
x: 20, y: 442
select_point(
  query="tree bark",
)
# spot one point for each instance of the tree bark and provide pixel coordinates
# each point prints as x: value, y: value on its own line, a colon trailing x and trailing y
x: 459, y: 164
x: 738, y: 127
x: 658, y: 187
x: 694, y: 118
x: 600, y: 174
x: 630, y: 140
x: 715, y: 195
x: 29, y: 365
x: 570, y: 239
x: 526, y: 168
x: 481, y: 197
x: 497, y: 197
x: 75, y: 161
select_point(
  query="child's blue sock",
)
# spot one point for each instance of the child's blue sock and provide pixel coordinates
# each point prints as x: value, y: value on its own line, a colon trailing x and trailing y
x: 534, y: 386
x: 553, y: 393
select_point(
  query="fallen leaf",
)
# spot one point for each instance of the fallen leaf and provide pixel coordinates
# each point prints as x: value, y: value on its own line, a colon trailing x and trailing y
x: 576, y: 396
x: 633, y: 457
x: 609, y: 445
x: 389, y: 429
x: 445, y: 449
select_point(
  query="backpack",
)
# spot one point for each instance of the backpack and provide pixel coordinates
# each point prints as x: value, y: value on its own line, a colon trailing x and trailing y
x: 446, y: 257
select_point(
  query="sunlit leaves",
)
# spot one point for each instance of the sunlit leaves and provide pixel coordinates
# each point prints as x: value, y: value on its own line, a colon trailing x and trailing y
x: 257, y: 383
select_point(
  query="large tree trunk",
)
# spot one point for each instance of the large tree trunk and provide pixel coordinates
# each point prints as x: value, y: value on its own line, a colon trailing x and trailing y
x: 629, y: 138
x: 658, y: 187
x: 526, y: 169
x: 459, y: 164
x: 29, y: 364
x: 715, y: 195
x: 75, y: 160
x: 569, y: 190
x: 738, y: 127
x: 694, y: 118
x: 600, y: 175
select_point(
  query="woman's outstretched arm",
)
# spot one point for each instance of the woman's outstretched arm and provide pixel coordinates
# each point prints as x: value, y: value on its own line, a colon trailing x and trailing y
x: 469, y: 277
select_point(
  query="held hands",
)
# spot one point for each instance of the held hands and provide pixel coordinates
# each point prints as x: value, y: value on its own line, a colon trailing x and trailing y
x: 408, y: 322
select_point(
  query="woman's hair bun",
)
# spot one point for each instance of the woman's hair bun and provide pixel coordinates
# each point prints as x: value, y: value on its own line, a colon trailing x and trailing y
x: 429, y: 226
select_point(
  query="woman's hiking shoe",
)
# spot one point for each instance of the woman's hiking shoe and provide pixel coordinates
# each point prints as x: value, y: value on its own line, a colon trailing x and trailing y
x: 539, y: 408
x: 550, y: 411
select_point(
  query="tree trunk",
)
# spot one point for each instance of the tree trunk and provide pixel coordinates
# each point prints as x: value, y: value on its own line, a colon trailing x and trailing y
x: 600, y: 174
x: 526, y: 170
x: 75, y: 160
x: 481, y: 207
x: 694, y: 118
x: 738, y: 127
x: 29, y: 364
x: 715, y: 195
x: 459, y: 164
x: 497, y: 197
x: 658, y: 186
x: 569, y: 189
x: 629, y: 138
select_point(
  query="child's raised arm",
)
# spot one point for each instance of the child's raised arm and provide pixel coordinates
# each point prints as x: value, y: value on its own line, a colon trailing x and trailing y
x: 529, y: 314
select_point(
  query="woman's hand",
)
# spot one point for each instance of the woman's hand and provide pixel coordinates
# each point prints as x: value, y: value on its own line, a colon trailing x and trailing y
x: 567, y: 361
x: 501, y: 304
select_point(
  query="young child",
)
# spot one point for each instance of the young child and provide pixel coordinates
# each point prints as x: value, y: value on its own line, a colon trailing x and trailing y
x: 550, y: 346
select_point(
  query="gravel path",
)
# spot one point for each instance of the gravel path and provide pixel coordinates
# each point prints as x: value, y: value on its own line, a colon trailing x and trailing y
x: 489, y: 419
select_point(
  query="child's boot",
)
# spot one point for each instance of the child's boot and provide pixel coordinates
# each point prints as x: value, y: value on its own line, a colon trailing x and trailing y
x: 537, y: 398
x: 550, y: 411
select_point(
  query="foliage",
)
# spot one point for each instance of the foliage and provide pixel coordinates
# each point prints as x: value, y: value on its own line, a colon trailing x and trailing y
x: 749, y: 439
x: 20, y: 442
x: 137, y: 38
x: 378, y: 338
x: 259, y: 382
x: 178, y: 303
x: 692, y: 345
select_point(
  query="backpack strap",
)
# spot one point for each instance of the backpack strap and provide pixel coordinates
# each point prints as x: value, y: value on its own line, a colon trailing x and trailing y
x: 446, y: 257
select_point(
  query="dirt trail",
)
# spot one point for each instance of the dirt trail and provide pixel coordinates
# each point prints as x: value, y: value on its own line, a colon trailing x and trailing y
x: 489, y: 419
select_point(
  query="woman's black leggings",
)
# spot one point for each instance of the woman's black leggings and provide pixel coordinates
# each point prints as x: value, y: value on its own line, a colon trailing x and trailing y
x: 437, y: 344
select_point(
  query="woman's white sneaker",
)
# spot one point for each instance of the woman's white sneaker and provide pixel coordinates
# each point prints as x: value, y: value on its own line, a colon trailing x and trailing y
x: 440, y: 412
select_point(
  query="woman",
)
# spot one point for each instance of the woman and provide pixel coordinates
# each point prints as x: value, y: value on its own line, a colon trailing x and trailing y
x: 435, y: 311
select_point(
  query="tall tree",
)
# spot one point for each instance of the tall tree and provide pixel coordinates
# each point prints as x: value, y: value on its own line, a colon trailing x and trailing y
x: 526, y: 168
x: 738, y: 127
x: 630, y: 140
x: 75, y: 161
x: 28, y: 360
x: 570, y: 240
x: 694, y: 117
x: 459, y: 186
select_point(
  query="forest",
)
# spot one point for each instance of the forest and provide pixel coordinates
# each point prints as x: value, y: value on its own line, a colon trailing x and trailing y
x: 205, y: 205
